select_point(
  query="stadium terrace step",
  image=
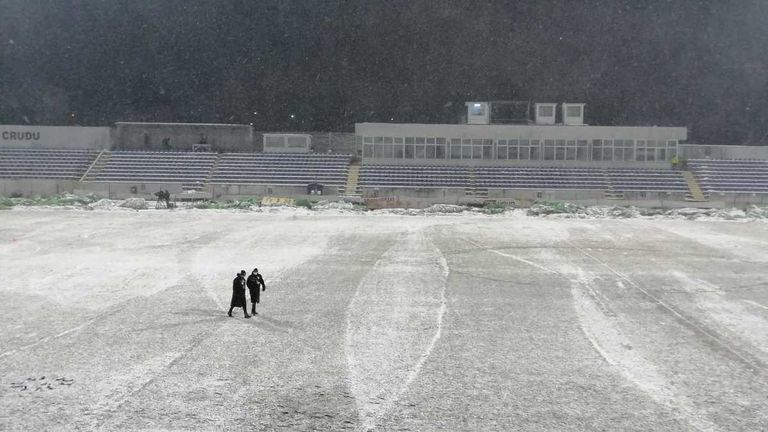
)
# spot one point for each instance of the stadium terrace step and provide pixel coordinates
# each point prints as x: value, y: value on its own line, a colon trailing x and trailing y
x: 476, y: 192
x: 353, y: 177
x: 286, y: 169
x: 96, y: 166
x: 192, y: 187
x: 730, y: 175
x: 695, y: 191
x: 139, y: 166
x: 45, y: 163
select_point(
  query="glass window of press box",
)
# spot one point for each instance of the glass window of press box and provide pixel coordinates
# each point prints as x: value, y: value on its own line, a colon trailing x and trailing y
x: 477, y: 109
x: 439, y: 148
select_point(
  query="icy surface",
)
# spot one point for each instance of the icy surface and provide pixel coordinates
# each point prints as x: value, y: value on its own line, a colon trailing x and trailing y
x: 424, y: 320
x: 134, y: 203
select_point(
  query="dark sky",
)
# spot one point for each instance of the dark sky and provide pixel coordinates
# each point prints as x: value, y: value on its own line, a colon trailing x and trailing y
x: 329, y: 64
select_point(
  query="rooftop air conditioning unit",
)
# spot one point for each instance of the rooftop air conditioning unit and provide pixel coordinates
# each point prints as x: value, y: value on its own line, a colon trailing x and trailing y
x: 573, y: 114
x: 545, y: 113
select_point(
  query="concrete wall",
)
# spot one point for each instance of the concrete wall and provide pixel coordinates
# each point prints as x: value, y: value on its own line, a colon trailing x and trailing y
x: 550, y: 195
x: 419, y: 198
x: 36, y: 187
x: 447, y: 194
x: 703, y: 151
x: 736, y: 200
x: 182, y: 136
x: 239, y: 191
x: 524, y: 197
x: 406, y: 197
x: 126, y: 190
x: 55, y: 137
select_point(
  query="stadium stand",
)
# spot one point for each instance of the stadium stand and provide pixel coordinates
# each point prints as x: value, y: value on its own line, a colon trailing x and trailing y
x: 414, y: 176
x: 287, y: 169
x: 140, y: 166
x: 44, y: 163
x: 540, y: 178
x: 646, y: 180
x: 283, y: 169
x: 614, y: 179
x: 731, y: 175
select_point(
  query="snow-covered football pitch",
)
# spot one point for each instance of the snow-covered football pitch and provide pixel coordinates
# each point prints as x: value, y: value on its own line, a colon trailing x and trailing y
x: 116, y: 320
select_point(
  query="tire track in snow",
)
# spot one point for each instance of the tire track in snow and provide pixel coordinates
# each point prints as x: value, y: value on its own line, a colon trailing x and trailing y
x: 730, y: 314
x: 749, y: 363
x: 394, y: 322
x: 598, y: 323
x: 606, y: 337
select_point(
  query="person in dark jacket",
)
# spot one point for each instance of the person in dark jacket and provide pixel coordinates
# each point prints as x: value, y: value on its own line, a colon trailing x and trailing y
x: 238, y: 294
x: 254, y: 281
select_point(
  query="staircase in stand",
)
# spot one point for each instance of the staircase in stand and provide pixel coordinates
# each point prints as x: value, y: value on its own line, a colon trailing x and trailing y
x: 193, y: 187
x: 200, y: 187
x: 190, y: 189
x: 351, y: 189
x: 96, y: 167
x: 693, y: 186
x: 472, y: 190
x: 611, y: 193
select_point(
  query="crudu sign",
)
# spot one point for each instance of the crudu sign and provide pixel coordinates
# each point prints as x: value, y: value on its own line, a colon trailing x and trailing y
x: 20, y: 135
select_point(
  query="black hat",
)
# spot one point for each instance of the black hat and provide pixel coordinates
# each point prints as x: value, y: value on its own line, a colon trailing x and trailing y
x: 255, y: 270
x: 242, y: 272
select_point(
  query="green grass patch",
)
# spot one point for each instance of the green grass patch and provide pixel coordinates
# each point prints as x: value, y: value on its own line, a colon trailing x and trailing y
x: 304, y: 203
x: 6, y: 203
x: 53, y: 200
x: 494, y: 208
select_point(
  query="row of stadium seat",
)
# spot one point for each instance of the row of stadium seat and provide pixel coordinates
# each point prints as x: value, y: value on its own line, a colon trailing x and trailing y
x: 44, y: 163
x: 723, y: 175
x: 178, y: 167
x: 646, y: 180
x: 617, y: 179
x: 331, y: 169
x: 155, y: 167
x: 281, y: 169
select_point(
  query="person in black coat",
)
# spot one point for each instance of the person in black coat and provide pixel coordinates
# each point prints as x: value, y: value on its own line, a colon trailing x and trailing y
x: 254, y: 281
x: 238, y: 294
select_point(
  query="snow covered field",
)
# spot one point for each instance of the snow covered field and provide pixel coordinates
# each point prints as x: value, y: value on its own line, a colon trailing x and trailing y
x: 116, y: 320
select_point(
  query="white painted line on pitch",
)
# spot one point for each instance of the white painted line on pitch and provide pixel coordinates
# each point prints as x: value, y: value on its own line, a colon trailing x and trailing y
x: 606, y: 337
x: 608, y: 341
x: 669, y: 308
x: 523, y: 260
x: 516, y: 258
x: 52, y: 337
x: 754, y: 303
x: 730, y: 314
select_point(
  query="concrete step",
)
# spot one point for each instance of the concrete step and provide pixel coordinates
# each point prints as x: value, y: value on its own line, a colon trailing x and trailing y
x: 353, y: 176
x: 96, y: 166
x: 693, y: 187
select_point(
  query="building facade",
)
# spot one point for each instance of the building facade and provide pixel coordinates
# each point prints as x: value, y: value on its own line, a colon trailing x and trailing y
x: 500, y: 144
